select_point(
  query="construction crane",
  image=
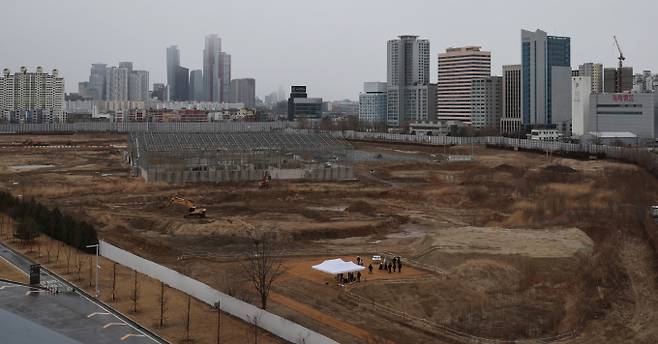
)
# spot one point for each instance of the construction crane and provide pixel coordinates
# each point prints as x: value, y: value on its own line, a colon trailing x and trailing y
x: 621, y: 58
x: 192, y: 210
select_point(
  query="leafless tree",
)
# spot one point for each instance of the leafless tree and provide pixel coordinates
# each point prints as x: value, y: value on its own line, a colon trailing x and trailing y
x: 59, y: 248
x: 263, y: 265
x: 135, y: 295
x: 91, y: 269
x: 254, y: 320
x: 114, y: 281
x: 67, y: 255
x: 78, y: 267
x: 218, y: 307
x: 187, y: 321
x: 163, y: 304
x: 49, y: 249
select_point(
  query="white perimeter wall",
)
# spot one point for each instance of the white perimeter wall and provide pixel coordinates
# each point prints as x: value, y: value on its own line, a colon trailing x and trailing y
x: 273, y: 323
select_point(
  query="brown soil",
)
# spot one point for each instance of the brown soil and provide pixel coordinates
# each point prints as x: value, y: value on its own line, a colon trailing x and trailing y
x: 577, y: 262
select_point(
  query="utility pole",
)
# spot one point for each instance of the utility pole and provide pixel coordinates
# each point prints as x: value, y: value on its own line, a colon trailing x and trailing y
x: 98, y: 267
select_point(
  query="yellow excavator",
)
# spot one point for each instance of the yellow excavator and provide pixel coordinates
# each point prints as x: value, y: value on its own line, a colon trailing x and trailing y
x: 192, y: 210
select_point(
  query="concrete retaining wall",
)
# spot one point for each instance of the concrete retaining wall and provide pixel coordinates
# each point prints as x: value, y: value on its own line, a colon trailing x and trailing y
x: 272, y: 323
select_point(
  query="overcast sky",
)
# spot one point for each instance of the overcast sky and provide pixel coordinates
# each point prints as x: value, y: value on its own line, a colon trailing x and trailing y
x: 332, y: 46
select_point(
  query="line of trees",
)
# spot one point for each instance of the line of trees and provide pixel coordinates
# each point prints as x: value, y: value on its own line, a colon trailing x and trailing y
x: 35, y: 218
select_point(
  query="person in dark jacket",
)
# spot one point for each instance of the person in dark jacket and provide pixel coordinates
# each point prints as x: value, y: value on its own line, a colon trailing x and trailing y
x: 370, y: 268
x: 399, y: 265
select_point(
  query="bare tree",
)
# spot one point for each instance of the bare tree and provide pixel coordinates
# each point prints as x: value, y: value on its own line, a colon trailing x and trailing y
x: 49, y: 249
x: 78, y: 267
x: 114, y: 281
x: 263, y: 266
x: 254, y: 321
x: 187, y: 321
x: 163, y: 304
x: 67, y: 255
x: 91, y: 269
x: 59, y: 248
x: 218, y: 307
x: 135, y: 295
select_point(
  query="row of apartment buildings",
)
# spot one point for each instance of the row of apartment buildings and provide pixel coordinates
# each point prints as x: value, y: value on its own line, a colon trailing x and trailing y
x: 31, y: 96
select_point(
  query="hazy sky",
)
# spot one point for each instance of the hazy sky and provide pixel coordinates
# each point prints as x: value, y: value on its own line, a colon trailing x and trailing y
x: 332, y: 46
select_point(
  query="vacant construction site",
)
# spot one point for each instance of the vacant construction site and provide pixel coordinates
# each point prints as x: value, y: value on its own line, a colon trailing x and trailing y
x: 238, y: 156
x: 509, y: 246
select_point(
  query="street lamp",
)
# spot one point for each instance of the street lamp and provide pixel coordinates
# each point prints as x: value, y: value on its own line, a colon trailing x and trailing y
x: 97, y: 268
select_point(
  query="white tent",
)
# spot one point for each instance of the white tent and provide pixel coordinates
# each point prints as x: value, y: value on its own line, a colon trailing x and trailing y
x: 337, y: 266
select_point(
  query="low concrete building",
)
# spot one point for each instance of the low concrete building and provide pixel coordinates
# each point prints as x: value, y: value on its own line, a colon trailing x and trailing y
x: 625, y: 112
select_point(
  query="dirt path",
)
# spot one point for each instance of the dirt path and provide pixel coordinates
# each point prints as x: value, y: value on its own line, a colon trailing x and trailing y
x: 320, y: 317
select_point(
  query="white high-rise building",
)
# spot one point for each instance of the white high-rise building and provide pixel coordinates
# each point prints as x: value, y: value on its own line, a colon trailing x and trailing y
x: 410, y: 96
x: 581, y: 91
x: 458, y: 67
x: 372, y: 102
x: 32, y: 97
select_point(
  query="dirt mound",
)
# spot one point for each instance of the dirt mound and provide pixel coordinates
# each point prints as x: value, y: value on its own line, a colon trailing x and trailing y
x: 488, y: 276
x: 513, y: 170
x: 560, y: 169
x: 361, y: 207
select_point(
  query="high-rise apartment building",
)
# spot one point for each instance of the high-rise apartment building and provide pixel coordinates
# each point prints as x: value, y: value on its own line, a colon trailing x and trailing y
x: 138, y: 85
x: 32, y: 97
x: 511, y: 119
x: 243, y: 91
x: 211, y: 84
x: 458, y: 67
x: 224, y: 76
x: 410, y: 96
x: 196, y: 85
x: 97, y: 81
x: 610, y: 79
x: 116, y: 84
x: 372, y: 102
x: 546, y: 80
x: 486, y: 102
x: 595, y: 72
x: 173, y: 61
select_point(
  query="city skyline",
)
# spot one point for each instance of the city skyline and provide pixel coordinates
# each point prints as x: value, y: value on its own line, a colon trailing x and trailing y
x: 293, y: 57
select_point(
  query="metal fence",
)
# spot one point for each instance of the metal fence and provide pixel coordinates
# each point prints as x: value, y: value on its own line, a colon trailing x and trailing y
x: 126, y: 127
x: 524, y: 144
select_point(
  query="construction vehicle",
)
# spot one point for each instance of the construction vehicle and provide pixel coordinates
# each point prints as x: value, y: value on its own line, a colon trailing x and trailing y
x: 192, y: 210
x: 265, y: 181
x: 621, y: 58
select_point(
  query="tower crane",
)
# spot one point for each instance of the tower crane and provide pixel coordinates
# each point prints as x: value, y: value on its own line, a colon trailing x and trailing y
x: 621, y: 58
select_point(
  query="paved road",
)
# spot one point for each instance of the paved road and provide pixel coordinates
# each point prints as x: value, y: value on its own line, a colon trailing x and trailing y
x: 30, y: 315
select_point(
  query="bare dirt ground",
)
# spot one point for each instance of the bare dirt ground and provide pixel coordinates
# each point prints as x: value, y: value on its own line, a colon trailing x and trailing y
x: 513, y: 245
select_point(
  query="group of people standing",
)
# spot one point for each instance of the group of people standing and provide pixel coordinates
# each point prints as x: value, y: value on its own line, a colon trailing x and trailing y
x: 390, y: 264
